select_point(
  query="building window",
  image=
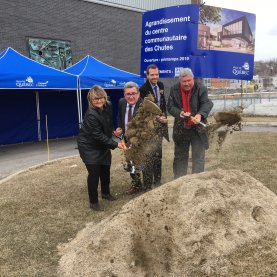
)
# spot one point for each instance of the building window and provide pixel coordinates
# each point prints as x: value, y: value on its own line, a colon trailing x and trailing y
x: 54, y: 53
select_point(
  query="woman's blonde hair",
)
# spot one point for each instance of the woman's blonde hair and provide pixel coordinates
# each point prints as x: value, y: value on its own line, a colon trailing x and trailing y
x: 96, y: 92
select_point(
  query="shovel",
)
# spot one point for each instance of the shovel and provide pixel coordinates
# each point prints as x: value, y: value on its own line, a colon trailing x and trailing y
x: 204, y: 125
x: 131, y: 168
x: 151, y: 107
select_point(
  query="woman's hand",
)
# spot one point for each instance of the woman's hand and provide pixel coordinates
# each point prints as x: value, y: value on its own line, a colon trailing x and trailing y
x: 120, y: 145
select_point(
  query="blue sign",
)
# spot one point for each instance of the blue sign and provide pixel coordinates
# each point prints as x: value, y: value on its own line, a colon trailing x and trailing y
x: 214, y: 42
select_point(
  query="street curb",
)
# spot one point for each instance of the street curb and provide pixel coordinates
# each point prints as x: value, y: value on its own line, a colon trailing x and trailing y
x: 257, y: 124
x: 34, y: 167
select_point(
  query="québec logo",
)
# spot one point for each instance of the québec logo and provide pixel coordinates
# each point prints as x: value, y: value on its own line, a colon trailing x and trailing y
x: 112, y: 83
x: 246, y: 66
x: 28, y: 82
x: 241, y: 70
x: 29, y: 79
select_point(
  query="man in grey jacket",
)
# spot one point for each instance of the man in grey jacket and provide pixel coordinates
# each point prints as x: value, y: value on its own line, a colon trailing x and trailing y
x: 189, y: 104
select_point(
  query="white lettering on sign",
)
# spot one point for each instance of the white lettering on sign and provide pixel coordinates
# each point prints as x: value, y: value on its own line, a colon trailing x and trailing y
x: 165, y: 39
x: 167, y: 21
x: 163, y: 47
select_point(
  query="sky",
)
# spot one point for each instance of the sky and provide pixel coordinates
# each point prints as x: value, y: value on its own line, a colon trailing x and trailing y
x: 266, y: 23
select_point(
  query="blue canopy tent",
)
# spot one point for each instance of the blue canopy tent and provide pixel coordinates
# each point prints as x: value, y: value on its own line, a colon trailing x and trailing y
x: 91, y: 71
x: 29, y: 91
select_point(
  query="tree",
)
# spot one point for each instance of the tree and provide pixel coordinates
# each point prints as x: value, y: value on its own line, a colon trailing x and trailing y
x: 209, y: 14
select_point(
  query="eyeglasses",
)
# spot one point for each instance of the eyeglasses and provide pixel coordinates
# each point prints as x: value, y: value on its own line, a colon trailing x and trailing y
x: 131, y: 94
x: 98, y: 99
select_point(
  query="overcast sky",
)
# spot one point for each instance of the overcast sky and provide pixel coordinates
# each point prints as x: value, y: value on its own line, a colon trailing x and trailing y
x: 266, y: 23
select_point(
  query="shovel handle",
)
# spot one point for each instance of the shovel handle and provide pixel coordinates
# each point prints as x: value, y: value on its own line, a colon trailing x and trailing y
x: 123, y: 144
x: 122, y: 140
x: 200, y: 122
x: 203, y: 124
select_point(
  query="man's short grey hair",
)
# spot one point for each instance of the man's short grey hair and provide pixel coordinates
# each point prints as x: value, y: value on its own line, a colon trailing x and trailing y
x: 131, y: 85
x: 185, y: 72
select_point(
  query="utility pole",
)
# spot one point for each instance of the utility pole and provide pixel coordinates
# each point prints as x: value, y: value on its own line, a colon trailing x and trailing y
x: 241, y: 85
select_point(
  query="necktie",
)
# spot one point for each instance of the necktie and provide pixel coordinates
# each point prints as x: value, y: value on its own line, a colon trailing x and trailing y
x: 130, y: 113
x: 156, y: 93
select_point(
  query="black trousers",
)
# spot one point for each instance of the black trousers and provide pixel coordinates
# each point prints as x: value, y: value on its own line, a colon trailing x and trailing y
x: 152, y: 171
x: 181, y: 153
x: 136, y: 179
x: 96, y: 172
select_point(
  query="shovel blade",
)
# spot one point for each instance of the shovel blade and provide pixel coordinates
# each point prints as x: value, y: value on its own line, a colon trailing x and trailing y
x: 151, y: 107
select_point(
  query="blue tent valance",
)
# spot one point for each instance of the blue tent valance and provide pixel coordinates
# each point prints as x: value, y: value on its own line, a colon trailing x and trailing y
x: 18, y: 71
x: 94, y: 72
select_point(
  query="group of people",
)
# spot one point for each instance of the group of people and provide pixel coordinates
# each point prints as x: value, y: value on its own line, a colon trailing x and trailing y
x: 188, y: 103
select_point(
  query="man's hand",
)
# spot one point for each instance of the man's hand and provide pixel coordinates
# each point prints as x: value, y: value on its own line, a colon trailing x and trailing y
x: 185, y: 115
x: 118, y: 132
x: 162, y: 119
x: 196, y: 119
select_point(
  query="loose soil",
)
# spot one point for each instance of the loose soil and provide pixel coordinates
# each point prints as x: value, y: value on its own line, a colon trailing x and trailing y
x: 143, y: 138
x: 142, y: 134
x: 219, y: 223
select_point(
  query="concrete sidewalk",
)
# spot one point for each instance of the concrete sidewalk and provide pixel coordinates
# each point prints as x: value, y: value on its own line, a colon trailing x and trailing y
x: 17, y: 157
x: 256, y: 126
x: 257, y: 123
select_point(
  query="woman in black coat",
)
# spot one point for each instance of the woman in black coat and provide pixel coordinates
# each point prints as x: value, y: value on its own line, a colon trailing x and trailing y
x: 95, y: 143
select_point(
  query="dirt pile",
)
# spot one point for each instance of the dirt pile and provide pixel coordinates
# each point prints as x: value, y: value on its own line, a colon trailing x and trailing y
x: 218, y: 223
x: 142, y: 133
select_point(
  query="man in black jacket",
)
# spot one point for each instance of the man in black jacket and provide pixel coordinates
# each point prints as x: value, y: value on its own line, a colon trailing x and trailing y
x: 189, y: 104
x: 127, y: 109
x: 153, y: 170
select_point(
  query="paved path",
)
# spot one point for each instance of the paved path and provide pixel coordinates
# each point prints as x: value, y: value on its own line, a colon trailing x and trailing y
x: 14, y: 158
x: 259, y: 126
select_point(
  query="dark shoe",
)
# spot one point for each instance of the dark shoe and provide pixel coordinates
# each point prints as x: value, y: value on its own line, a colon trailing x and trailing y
x: 96, y: 207
x: 108, y: 197
x: 136, y: 183
x: 157, y: 183
x: 146, y: 188
x: 133, y: 190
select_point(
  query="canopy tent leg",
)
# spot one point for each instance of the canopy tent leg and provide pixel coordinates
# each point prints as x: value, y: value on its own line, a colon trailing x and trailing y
x: 81, y: 106
x: 38, y: 116
x: 79, y: 101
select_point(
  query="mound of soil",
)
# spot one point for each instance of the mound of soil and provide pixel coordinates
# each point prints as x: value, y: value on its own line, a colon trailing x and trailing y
x: 218, y: 223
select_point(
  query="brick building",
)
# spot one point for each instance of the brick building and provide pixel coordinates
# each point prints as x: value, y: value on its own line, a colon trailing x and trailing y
x: 108, y: 30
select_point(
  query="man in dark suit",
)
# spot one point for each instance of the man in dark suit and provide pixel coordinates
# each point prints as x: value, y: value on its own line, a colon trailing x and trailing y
x: 127, y: 109
x: 153, y: 87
